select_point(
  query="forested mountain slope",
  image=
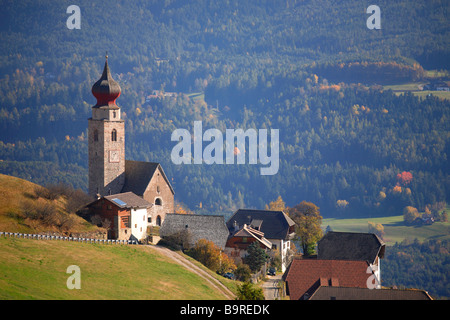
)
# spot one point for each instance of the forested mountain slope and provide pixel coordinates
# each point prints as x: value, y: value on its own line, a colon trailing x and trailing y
x: 284, y: 65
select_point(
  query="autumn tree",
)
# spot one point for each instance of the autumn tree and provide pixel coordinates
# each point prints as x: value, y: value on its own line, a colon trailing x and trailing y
x: 342, y: 204
x: 277, y: 205
x: 404, y: 178
x: 211, y: 256
x: 376, y: 228
x: 182, y: 209
x: 226, y: 264
x: 307, y: 218
x: 410, y: 214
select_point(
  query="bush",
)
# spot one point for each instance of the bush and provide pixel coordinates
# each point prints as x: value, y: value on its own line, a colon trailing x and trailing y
x: 243, y: 273
x: 76, y: 199
x: 212, y: 257
x: 68, y: 221
x: 248, y: 291
x: 44, y: 211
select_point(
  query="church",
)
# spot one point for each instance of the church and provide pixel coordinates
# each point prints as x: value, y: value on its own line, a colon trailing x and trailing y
x: 112, y: 178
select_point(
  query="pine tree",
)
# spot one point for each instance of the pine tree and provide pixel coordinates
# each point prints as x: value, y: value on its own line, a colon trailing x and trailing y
x: 256, y: 257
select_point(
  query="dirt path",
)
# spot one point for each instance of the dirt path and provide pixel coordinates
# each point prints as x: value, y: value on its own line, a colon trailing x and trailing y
x: 192, y: 267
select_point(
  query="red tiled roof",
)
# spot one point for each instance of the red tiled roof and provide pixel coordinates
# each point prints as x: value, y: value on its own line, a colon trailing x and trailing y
x: 306, y: 275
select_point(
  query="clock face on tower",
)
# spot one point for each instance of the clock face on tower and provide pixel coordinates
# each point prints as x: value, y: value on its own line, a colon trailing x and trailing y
x: 113, y: 156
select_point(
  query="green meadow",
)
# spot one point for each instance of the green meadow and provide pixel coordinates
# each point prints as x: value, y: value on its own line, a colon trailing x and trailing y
x: 394, y: 228
x: 36, y: 269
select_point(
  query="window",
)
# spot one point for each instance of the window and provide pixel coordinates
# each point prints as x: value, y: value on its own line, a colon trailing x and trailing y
x: 158, y: 202
x: 158, y: 189
x: 114, y: 114
x: 114, y: 135
x: 149, y: 220
x: 95, y: 135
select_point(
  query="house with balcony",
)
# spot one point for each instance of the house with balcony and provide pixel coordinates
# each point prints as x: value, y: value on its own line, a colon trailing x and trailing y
x: 277, y: 228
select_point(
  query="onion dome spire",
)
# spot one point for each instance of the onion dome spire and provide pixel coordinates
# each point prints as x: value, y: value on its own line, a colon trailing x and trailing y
x: 106, y: 90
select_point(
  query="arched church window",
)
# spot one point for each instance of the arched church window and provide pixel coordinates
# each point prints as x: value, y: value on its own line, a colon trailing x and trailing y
x: 95, y: 135
x: 158, y: 202
x: 114, y: 135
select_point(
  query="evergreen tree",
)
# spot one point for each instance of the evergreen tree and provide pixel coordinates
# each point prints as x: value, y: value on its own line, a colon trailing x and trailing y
x: 256, y: 257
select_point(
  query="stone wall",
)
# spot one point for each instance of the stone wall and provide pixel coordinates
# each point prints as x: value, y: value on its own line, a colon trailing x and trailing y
x: 159, y: 193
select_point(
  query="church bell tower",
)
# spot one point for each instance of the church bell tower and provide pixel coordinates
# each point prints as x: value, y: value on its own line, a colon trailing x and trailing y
x: 106, y: 132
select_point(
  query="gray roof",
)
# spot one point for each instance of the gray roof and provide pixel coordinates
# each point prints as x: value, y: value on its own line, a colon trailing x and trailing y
x: 209, y: 227
x: 345, y: 293
x: 128, y: 200
x: 274, y: 224
x: 350, y: 246
x: 138, y: 175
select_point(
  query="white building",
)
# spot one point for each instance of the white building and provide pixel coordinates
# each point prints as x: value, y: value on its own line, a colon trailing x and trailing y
x: 276, y: 226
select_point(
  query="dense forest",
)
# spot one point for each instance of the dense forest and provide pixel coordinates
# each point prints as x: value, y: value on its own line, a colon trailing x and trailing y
x: 418, y: 265
x: 311, y: 69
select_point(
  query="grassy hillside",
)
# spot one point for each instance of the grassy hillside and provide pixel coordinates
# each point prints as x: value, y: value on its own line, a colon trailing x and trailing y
x: 394, y: 228
x: 35, y: 269
x: 16, y: 194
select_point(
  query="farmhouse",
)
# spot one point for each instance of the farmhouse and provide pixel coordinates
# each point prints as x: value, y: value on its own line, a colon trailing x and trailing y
x: 344, y: 260
x: 126, y: 214
x: 276, y: 226
x: 353, y: 246
x: 305, y: 276
x: 241, y: 238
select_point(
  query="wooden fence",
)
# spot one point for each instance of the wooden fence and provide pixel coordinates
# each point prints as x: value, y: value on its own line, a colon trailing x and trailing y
x: 62, y: 238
